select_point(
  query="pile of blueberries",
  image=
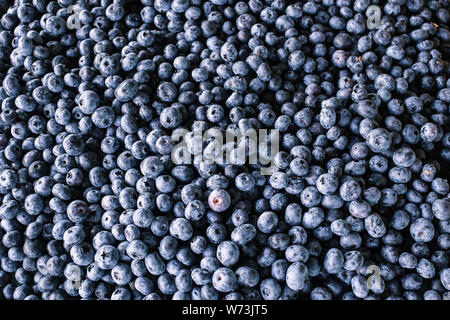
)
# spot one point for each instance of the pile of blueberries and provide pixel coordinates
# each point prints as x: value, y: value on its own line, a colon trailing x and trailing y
x: 94, y: 207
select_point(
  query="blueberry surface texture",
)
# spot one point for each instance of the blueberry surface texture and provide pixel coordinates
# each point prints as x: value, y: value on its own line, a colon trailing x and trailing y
x: 117, y: 181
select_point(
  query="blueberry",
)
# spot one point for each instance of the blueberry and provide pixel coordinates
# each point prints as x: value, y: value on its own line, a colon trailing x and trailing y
x: 270, y: 289
x: 224, y: 280
x: 247, y: 276
x: 444, y: 277
x: 154, y: 263
x: 400, y: 220
x: 407, y: 260
x: 245, y: 182
x: 379, y: 140
x: 296, y: 276
x: 327, y: 183
x: 103, y: 117
x: 219, y: 200
x: 404, y: 157
x: 181, y: 229
x: 82, y: 254
x: 361, y: 117
x: 374, y: 225
x: 267, y: 222
x: 243, y: 234
x: 350, y: 190
x: 313, y: 218
x: 170, y: 117
x: 107, y: 257
x: 121, y: 274
x: 440, y: 208
x: 151, y: 167
x: 89, y: 101
x: 359, y: 286
x: 77, y: 211
x: 228, y: 253
x: 334, y: 261
x: 422, y: 230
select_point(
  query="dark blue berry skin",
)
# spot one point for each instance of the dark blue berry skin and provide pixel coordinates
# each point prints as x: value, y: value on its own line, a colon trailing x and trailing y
x: 90, y: 189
